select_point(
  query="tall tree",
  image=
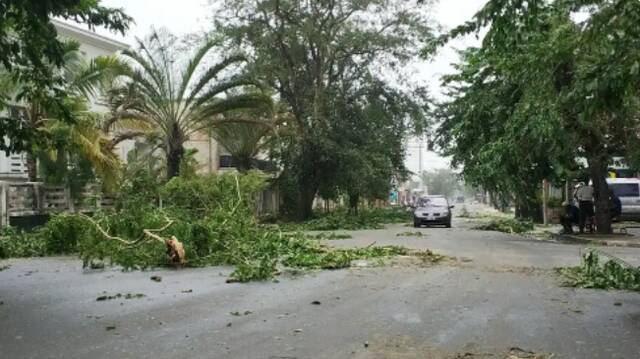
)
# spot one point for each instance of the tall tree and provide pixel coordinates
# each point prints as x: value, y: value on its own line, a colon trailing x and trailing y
x: 30, y: 51
x: 367, y: 138
x: 576, y: 86
x: 180, y: 97
x: 304, y: 49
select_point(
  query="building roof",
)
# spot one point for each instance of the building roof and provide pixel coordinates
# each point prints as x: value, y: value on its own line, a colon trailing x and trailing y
x: 89, y: 37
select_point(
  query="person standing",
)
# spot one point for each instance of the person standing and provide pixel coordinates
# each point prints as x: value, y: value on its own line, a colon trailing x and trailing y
x: 571, y: 216
x: 584, y: 196
x: 615, y: 205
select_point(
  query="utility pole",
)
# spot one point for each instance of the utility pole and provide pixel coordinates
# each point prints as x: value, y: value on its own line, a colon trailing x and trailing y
x: 420, y: 146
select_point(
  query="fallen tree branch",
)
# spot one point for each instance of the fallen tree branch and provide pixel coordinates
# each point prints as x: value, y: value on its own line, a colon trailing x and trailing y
x: 175, y: 249
x: 103, y: 232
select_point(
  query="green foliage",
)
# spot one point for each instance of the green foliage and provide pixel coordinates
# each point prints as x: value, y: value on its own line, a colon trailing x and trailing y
x: 507, y: 225
x: 593, y: 273
x: 62, y: 233
x: 348, y: 122
x: 374, y: 218
x: 17, y: 244
x: 160, y: 76
x: 212, y: 217
x: 31, y: 52
x: 542, y: 91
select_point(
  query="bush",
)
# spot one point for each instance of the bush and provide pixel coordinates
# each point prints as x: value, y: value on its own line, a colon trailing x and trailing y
x: 62, y: 233
x: 342, y: 220
x: 18, y: 244
x: 507, y: 225
x: 212, y: 217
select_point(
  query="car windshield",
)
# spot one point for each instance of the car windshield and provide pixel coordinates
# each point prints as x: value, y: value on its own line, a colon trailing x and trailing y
x: 432, y: 202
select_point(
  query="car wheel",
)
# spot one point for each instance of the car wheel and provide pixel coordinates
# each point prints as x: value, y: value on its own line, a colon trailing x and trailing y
x: 416, y: 224
x: 448, y: 224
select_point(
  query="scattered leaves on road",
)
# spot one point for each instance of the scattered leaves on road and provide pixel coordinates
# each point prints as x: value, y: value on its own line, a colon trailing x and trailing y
x: 329, y: 236
x: 156, y: 278
x: 119, y: 295
x: 506, y: 225
x: 410, y: 234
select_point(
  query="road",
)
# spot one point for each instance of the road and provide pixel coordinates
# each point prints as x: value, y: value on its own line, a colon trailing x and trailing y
x: 499, y: 294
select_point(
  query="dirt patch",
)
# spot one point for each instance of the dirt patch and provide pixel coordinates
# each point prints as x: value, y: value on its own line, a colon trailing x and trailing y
x: 425, y: 258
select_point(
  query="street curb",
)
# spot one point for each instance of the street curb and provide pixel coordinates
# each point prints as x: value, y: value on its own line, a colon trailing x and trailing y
x: 574, y: 239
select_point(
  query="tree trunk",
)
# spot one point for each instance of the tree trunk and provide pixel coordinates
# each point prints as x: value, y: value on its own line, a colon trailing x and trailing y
x: 175, y: 154
x: 354, y: 200
x: 306, y: 195
x: 32, y: 168
x: 598, y: 172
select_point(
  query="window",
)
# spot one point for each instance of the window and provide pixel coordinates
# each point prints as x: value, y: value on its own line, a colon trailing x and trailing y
x: 625, y: 189
x: 433, y: 201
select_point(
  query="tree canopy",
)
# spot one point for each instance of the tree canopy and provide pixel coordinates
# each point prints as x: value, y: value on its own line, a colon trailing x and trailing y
x: 544, y: 90
x: 315, y: 53
x: 30, y: 50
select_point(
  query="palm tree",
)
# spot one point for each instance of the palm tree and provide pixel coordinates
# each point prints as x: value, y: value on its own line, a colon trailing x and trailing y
x: 181, y: 98
x: 244, y: 140
x: 80, y: 81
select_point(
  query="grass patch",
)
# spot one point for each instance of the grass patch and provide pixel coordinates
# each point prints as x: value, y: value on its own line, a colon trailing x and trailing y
x: 506, y: 225
x: 595, y: 273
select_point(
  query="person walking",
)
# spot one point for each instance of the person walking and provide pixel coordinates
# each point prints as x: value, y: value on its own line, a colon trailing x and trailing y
x: 584, y: 196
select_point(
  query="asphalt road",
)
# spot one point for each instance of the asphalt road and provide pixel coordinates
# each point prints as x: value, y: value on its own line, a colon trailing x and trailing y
x: 499, y: 294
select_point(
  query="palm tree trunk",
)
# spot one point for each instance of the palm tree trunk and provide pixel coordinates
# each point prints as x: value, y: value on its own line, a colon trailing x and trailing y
x: 175, y: 154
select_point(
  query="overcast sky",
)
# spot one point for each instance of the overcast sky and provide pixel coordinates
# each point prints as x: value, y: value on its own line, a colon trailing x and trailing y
x: 186, y: 16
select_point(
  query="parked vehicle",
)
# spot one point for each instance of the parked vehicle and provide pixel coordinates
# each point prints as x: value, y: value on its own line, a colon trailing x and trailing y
x: 628, y: 190
x: 432, y: 210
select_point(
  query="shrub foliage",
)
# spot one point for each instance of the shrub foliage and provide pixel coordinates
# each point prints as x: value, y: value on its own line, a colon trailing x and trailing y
x: 212, y: 217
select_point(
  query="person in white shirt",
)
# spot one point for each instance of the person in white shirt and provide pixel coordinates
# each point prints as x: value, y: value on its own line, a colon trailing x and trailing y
x: 584, y: 196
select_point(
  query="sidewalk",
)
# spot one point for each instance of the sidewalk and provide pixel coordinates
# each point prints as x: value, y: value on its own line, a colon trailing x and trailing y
x: 611, y: 240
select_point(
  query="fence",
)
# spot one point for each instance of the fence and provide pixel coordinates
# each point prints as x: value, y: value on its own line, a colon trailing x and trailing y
x: 24, y: 199
x: 33, y: 199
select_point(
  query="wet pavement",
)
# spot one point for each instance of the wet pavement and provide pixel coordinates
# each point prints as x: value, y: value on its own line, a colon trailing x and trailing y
x: 500, y: 293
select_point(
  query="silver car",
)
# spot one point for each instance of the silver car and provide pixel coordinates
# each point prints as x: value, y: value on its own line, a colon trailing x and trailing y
x: 432, y: 210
